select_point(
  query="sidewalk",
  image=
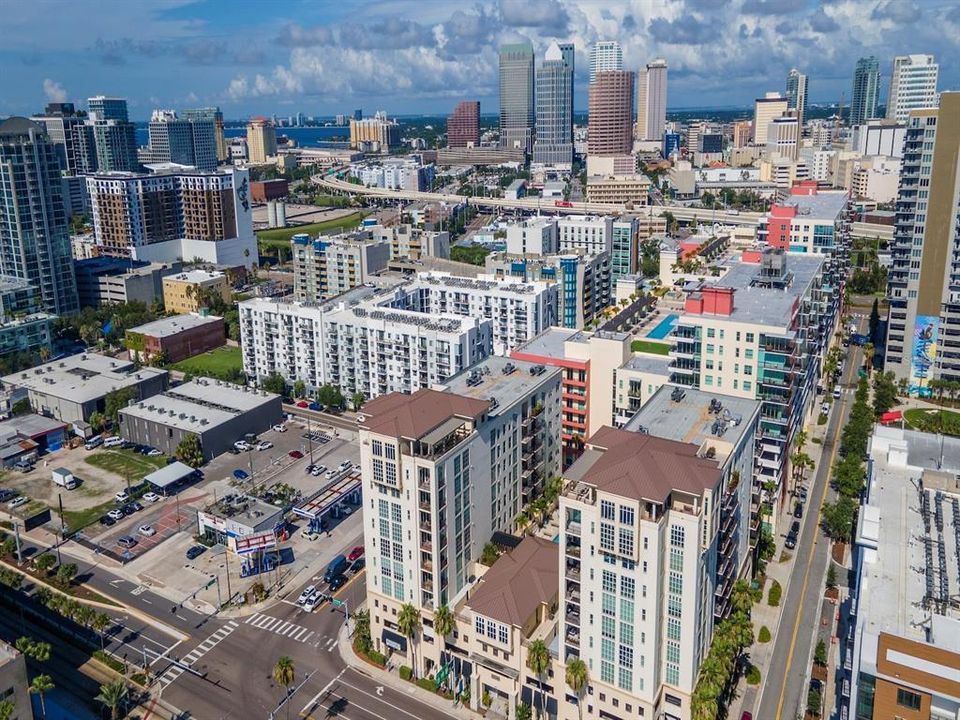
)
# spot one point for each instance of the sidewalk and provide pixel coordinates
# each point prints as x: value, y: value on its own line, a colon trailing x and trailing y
x: 345, y: 648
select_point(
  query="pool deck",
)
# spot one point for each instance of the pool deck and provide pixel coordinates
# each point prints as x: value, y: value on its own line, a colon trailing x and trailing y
x: 663, y: 328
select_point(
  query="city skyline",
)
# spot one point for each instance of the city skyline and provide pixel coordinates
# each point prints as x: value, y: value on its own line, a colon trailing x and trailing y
x: 429, y: 57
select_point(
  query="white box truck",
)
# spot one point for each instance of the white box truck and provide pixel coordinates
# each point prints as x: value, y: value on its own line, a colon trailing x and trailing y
x: 64, y: 478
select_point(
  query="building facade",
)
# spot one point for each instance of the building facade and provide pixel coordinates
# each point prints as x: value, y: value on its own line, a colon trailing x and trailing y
x: 611, y: 114
x: 913, y: 86
x: 261, y: 140
x: 866, y: 90
x: 605, y: 55
x: 106, y: 280
x: 329, y: 266
x: 186, y: 292
x: 517, y: 104
x: 463, y: 125
x: 175, y: 338
x: 797, y: 94
x: 183, y: 141
x: 114, y: 136
x: 554, y: 97
x: 408, y: 242
x: 765, y: 110
x: 652, y: 100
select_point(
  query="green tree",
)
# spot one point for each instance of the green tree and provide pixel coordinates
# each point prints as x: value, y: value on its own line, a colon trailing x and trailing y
x: 357, y: 401
x: 66, y: 573
x: 408, y: 621
x: 117, y: 400
x: 361, y: 630
x: 837, y: 518
x: 189, y: 451
x: 577, y: 677
x: 875, y: 321
x: 113, y: 695
x: 6, y: 709
x: 820, y: 653
x: 98, y: 421
x: 35, y: 649
x: 274, y: 383
x: 523, y: 712
x: 99, y: 623
x: 41, y: 685
x: 489, y: 554
x: 443, y: 625
x: 285, y: 673
x: 330, y: 397
x: 884, y: 393
x: 44, y: 562
x: 538, y: 661
x: 831, y: 576
x: 299, y: 389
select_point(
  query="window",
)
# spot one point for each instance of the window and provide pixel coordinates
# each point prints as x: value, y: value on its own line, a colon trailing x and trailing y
x: 626, y: 634
x: 391, y: 473
x: 673, y: 674
x: 673, y: 629
x: 607, y: 511
x: 479, y: 625
x: 502, y: 634
x: 673, y: 607
x: 673, y: 652
x: 908, y: 699
x: 628, y: 587
x: 711, y: 332
x: 376, y: 447
x: 390, y: 451
x: 606, y: 536
x: 626, y: 541
x: 606, y: 671
x: 609, y: 604
x: 676, y: 536
x: 609, y: 582
x: 749, y: 337
x: 625, y: 680
x: 377, y: 470
x: 626, y: 515
x: 676, y: 583
x: 606, y: 650
x: 608, y: 627
x: 626, y: 656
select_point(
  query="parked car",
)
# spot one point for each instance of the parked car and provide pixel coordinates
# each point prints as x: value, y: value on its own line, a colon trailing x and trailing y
x: 264, y: 445
x: 358, y: 565
x: 127, y: 541
x: 279, y: 427
x: 330, y: 474
x: 7, y: 494
x: 791, y: 541
x: 798, y: 510
x: 337, y: 582
x: 319, y: 470
x: 153, y: 452
x: 127, y: 509
x: 355, y: 553
x: 242, y: 445
x: 310, y: 468
x: 241, y: 474
x: 94, y: 442
x: 307, y: 593
x: 24, y: 466
x: 137, y: 507
x: 115, y: 514
x: 121, y: 497
x: 151, y: 497
x: 825, y: 408
x: 19, y: 501
x: 345, y: 465
x: 146, y: 530
x: 302, y: 404
x: 746, y: 715
x: 195, y: 551
x: 107, y: 521
x: 295, y: 454
x: 112, y: 441
x: 315, y: 406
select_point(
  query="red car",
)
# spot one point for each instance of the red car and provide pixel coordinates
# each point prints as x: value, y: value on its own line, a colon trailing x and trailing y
x: 295, y: 454
x: 356, y: 553
x: 302, y: 404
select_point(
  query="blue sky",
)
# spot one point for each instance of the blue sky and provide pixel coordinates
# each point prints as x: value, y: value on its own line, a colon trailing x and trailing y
x: 421, y: 56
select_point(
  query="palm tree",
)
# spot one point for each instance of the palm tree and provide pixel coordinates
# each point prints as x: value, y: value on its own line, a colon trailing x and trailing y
x: 42, y: 684
x: 868, y: 352
x: 443, y: 624
x: 99, y: 623
x: 284, y: 673
x: 538, y: 660
x: 577, y: 678
x: 113, y: 695
x: 409, y: 623
x: 523, y: 712
x: 6, y: 709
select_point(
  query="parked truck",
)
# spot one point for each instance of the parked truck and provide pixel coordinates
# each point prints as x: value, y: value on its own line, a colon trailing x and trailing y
x: 64, y: 478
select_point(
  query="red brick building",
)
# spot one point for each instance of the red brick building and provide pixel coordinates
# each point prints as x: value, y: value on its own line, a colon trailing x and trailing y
x: 264, y: 190
x: 176, y: 338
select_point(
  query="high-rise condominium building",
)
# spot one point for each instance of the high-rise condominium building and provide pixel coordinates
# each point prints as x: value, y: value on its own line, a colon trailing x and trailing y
x: 181, y: 141
x: 797, y: 93
x: 866, y: 90
x: 923, y: 286
x: 378, y: 133
x: 261, y: 140
x: 214, y: 115
x: 463, y: 125
x: 517, y: 106
x: 605, y: 55
x: 34, y: 227
x: 554, y: 143
x: 766, y: 109
x: 73, y: 137
x: 114, y: 135
x: 328, y: 266
x: 652, y: 100
x: 783, y: 137
x: 913, y: 85
x: 611, y: 114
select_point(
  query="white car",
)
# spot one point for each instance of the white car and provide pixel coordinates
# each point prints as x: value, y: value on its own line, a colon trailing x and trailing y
x: 313, y: 601
x: 836, y: 393
x: 146, y: 530
x: 121, y: 497
x: 329, y: 474
x: 264, y: 445
x: 115, y: 514
x: 154, y: 453
x: 151, y: 497
x: 242, y: 445
x: 345, y: 465
x: 308, y: 591
x: 18, y: 501
x: 280, y: 428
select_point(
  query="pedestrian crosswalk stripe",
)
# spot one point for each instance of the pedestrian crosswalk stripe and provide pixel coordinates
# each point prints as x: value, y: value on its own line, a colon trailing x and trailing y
x: 280, y: 627
x: 174, y: 671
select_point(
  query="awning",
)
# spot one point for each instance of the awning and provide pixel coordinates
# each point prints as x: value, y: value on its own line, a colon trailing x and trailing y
x: 169, y: 475
x: 394, y: 641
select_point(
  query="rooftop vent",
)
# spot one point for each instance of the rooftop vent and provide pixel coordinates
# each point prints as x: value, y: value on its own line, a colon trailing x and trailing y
x: 509, y: 368
x: 678, y: 394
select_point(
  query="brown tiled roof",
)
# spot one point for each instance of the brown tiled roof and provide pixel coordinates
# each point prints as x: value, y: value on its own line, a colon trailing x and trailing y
x: 519, y: 582
x: 413, y: 416
x: 645, y: 467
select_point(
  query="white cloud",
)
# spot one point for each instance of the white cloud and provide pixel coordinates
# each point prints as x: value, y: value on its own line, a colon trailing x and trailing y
x: 54, y: 91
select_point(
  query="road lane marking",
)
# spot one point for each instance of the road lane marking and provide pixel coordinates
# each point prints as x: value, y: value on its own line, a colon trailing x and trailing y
x: 381, y: 700
x: 322, y: 692
x: 279, y: 627
x: 175, y: 671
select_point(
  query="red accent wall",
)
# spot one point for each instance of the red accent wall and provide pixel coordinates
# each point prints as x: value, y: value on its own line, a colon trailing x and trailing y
x: 778, y: 226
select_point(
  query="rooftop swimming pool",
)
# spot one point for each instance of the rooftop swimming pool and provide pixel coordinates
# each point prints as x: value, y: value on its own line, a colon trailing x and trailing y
x: 664, y: 327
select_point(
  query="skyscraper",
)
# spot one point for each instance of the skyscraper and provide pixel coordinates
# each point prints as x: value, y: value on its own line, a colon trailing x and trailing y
x: 913, y: 85
x: 214, y: 115
x: 766, y: 109
x: 463, y: 125
x: 554, y: 143
x: 611, y: 114
x: 113, y: 134
x: 516, y: 96
x: 64, y: 129
x: 797, y: 93
x: 34, y: 229
x: 652, y: 100
x: 568, y: 51
x: 605, y: 55
x: 866, y: 89
x: 922, y: 285
x: 182, y: 141
x: 261, y: 140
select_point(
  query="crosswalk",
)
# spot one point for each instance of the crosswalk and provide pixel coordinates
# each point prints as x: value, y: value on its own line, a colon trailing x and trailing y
x: 279, y: 627
x: 175, y: 671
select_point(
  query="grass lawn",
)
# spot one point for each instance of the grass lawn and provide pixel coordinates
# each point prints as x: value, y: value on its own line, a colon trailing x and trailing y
x: 126, y: 462
x: 929, y: 420
x: 648, y: 346
x: 79, y: 519
x: 224, y: 363
x: 280, y: 237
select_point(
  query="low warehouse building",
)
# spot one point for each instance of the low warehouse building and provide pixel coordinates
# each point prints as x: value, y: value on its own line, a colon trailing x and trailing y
x: 175, y: 338
x: 217, y: 412
x: 27, y: 436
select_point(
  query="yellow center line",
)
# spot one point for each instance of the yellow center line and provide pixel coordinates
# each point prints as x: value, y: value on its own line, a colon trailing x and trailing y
x: 806, y: 573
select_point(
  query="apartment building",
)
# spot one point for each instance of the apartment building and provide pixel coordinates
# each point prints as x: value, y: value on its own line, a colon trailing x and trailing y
x: 900, y: 657
x: 913, y: 86
x: 534, y: 236
x: 463, y: 125
x: 443, y: 470
x: 923, y: 342
x: 358, y: 345
x: 186, y: 292
x: 583, y: 281
x: 24, y: 327
x: 624, y: 191
x: 330, y: 265
x: 761, y: 332
x: 105, y: 280
x: 174, y: 214
x: 181, y: 140
x: 810, y: 221
x: 261, y: 140
x: 588, y: 233
x: 408, y: 242
x: 624, y: 248
x: 765, y: 110
x: 377, y: 133
x: 14, y: 687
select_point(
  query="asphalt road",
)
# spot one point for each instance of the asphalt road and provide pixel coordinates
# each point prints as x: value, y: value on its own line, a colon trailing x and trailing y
x: 785, y: 689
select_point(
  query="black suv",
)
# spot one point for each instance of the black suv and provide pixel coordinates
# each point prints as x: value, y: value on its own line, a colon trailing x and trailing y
x: 791, y: 542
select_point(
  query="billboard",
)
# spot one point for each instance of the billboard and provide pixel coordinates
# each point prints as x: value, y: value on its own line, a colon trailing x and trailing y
x: 923, y: 354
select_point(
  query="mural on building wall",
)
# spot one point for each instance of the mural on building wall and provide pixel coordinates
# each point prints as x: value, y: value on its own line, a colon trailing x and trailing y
x: 923, y: 354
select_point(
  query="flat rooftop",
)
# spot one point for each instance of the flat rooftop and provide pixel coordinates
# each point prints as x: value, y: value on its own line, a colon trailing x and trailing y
x: 550, y: 343
x: 81, y: 378
x: 164, y: 327
x: 649, y: 363
x: 895, y: 593
x: 10, y: 283
x: 690, y: 419
x: 822, y: 206
x: 194, y: 276
x: 502, y: 381
x: 455, y: 282
x: 29, y: 425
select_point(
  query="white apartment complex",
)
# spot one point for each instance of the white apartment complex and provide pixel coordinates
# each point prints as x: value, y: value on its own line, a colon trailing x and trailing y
x: 591, y: 234
x: 328, y: 266
x: 408, y: 242
x: 535, y: 236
